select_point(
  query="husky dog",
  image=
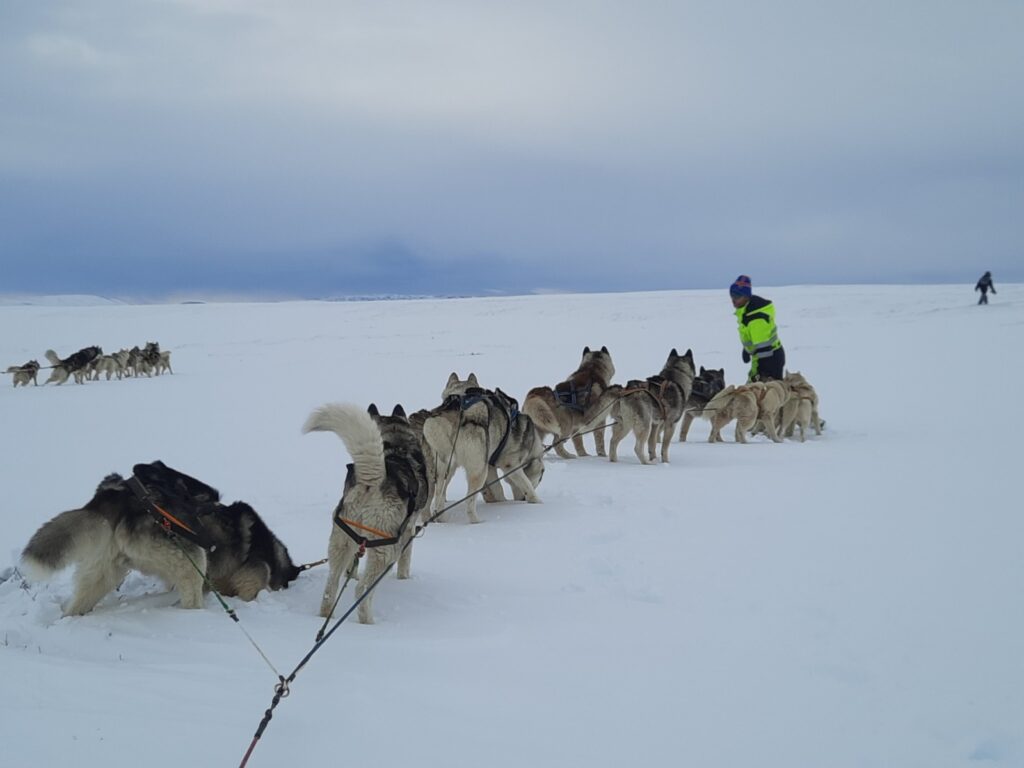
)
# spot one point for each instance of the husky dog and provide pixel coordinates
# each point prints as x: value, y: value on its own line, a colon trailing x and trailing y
x: 739, y: 403
x: 151, y: 358
x: 25, y: 373
x: 633, y: 411
x: 771, y: 396
x: 672, y: 388
x: 575, y: 405
x: 708, y: 383
x: 385, y: 482
x: 76, y: 365
x: 164, y: 362
x: 802, y: 408
x: 115, y: 533
x: 105, y: 364
x: 483, y: 432
x: 416, y: 421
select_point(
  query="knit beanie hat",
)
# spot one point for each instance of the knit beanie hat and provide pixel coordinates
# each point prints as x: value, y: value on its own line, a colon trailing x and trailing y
x: 740, y: 287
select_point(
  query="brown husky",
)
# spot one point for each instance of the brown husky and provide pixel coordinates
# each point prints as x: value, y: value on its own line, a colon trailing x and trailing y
x: 575, y: 405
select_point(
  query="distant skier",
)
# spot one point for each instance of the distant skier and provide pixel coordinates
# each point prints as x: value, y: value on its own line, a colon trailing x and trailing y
x: 985, y: 285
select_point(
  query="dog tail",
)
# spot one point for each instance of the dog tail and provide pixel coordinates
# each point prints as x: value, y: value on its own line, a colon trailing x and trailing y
x: 718, y: 402
x: 62, y: 541
x: 359, y: 432
x: 539, y: 411
x: 52, y: 357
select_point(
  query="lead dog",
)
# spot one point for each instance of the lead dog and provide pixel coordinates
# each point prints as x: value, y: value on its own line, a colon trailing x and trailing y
x: 385, y: 488
x: 576, y: 404
x: 114, y: 533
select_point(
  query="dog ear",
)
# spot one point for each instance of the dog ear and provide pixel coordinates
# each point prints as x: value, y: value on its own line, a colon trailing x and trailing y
x: 702, y: 370
x: 372, y: 410
x: 453, y: 378
x: 586, y: 350
x: 689, y: 355
x: 472, y: 380
x: 399, y: 412
x: 673, y: 353
x: 605, y: 350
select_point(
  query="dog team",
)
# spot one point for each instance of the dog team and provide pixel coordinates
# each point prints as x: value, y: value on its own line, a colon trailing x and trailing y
x: 89, y: 363
x: 397, y: 481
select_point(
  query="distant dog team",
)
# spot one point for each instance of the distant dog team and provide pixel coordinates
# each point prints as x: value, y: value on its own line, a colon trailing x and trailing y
x: 89, y: 363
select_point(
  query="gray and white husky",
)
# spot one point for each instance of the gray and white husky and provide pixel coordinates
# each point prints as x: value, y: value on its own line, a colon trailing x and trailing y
x: 483, y: 432
x: 114, y: 533
x: 385, y: 489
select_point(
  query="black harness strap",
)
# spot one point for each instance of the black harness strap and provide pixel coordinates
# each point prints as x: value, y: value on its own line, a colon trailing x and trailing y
x: 572, y: 397
x: 181, y: 524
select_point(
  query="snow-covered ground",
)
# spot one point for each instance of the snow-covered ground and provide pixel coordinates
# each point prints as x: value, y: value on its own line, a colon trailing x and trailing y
x: 851, y: 601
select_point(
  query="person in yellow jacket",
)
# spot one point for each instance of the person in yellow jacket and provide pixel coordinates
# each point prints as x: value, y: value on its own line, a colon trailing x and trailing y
x: 758, y: 334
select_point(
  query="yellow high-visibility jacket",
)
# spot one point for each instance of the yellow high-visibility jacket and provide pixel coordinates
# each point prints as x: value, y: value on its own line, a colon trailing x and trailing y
x: 758, y: 334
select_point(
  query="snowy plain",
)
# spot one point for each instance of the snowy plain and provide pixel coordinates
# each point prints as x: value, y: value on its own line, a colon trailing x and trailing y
x: 851, y: 601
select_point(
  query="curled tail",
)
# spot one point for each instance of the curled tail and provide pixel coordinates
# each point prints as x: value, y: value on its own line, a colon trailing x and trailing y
x: 52, y: 357
x: 62, y: 541
x: 359, y: 432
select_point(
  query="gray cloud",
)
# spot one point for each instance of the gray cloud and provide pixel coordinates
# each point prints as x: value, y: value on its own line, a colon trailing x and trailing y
x: 328, y: 147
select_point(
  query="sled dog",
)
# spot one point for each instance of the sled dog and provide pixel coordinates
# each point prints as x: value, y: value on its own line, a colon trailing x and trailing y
x: 76, y: 365
x: 25, y: 373
x: 771, y: 396
x: 633, y: 411
x: 114, y: 533
x: 575, y: 405
x: 483, y: 431
x: 708, y: 383
x: 739, y: 403
x: 802, y: 408
x: 672, y: 388
x: 385, y: 483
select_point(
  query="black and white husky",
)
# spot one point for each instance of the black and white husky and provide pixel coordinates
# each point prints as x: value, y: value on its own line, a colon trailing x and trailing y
x: 115, y: 533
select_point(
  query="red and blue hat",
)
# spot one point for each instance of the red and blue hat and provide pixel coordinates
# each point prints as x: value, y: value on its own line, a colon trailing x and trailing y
x: 740, y: 286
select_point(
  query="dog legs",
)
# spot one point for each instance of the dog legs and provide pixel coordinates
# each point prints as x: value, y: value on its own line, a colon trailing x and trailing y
x: 684, y: 428
x: 769, y: 426
x: 475, y: 479
x: 341, y: 556
x: 618, y: 432
x: 376, y: 561
x: 522, y: 488
x: 93, y: 581
x: 493, y: 492
x: 599, y: 440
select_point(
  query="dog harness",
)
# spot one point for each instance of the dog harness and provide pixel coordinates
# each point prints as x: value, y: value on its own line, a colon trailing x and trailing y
x: 573, y: 397
x: 384, y: 540
x: 181, y: 501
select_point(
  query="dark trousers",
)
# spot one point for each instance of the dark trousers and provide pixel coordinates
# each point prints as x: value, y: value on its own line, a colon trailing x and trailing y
x: 773, y: 367
x: 984, y: 297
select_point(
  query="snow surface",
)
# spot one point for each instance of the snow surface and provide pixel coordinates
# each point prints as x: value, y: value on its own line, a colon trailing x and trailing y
x: 851, y: 601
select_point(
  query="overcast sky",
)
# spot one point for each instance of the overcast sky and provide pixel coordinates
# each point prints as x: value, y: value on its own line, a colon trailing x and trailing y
x: 326, y: 147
